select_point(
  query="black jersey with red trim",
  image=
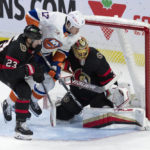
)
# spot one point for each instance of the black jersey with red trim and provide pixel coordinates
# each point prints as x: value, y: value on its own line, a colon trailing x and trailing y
x: 94, y: 70
x: 14, y: 54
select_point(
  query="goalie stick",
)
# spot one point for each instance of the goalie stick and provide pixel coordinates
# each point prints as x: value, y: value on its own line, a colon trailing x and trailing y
x: 89, y: 86
x: 52, y: 109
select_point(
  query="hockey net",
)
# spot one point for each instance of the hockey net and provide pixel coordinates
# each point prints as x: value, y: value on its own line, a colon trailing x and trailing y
x: 125, y: 44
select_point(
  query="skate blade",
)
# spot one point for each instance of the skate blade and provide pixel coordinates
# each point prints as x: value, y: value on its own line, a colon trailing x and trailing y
x: 19, y: 136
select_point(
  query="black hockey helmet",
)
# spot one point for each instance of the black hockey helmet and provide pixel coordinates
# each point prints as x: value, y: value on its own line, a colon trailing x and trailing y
x: 32, y: 32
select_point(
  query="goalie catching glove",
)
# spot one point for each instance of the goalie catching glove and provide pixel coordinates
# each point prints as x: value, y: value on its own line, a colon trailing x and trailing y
x: 119, y: 96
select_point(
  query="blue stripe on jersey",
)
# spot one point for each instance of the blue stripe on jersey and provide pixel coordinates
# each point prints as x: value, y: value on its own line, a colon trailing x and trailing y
x: 38, y: 91
x: 33, y: 13
x: 66, y: 53
x: 65, y: 30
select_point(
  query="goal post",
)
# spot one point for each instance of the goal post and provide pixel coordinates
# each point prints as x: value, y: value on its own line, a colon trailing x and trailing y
x: 109, y: 25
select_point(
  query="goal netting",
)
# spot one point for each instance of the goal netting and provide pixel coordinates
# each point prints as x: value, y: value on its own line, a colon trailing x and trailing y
x: 125, y: 44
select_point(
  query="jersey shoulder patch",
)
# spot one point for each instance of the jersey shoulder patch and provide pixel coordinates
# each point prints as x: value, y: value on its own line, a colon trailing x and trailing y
x: 23, y: 47
x: 96, y: 54
x: 99, y: 55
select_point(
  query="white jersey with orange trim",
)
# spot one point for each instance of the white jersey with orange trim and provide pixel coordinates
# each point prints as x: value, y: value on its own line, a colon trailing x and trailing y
x: 53, y: 29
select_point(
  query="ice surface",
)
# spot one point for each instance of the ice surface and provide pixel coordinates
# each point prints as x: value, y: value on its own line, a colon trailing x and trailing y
x: 68, y: 136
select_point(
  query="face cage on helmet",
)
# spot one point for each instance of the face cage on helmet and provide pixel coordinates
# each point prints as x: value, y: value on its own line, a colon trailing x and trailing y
x: 81, y: 53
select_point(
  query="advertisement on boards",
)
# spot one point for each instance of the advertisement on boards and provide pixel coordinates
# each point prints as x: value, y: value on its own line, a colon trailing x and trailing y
x: 12, y: 12
x: 12, y: 16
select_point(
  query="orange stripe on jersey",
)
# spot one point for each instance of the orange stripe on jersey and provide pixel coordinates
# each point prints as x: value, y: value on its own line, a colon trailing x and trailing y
x: 12, y: 96
x: 66, y: 34
x: 37, y: 95
x: 60, y: 57
x: 30, y: 20
x: 52, y: 74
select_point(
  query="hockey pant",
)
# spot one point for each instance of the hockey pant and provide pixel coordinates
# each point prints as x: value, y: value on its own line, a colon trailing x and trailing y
x: 37, y: 89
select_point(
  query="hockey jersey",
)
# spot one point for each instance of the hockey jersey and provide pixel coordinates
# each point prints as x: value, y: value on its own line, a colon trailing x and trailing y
x: 95, y: 69
x: 52, y: 25
x: 13, y: 56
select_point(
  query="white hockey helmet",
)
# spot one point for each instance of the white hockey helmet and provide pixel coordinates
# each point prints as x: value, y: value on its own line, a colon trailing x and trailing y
x: 76, y: 19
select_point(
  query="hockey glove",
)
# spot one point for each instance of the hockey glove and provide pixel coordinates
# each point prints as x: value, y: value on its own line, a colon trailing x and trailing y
x: 119, y: 96
x: 36, y: 70
x: 38, y: 76
x: 52, y: 73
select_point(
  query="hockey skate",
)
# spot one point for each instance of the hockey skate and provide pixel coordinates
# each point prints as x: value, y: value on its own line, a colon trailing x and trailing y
x: 35, y: 108
x: 22, y: 131
x: 7, y: 111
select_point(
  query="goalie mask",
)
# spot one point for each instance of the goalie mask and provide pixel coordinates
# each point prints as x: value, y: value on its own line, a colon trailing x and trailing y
x: 81, y: 49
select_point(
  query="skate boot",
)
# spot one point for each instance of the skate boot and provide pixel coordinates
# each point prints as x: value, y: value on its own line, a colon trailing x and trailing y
x: 28, y: 116
x: 35, y: 108
x: 7, y: 111
x: 22, y: 131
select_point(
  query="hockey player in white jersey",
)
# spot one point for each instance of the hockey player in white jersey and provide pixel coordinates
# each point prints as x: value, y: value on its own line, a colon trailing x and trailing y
x: 60, y: 32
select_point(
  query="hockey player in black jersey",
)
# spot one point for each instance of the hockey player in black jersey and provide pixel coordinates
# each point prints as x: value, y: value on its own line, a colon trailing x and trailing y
x: 17, y: 64
x: 90, y: 66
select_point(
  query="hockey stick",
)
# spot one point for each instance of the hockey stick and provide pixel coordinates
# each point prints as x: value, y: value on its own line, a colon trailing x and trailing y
x: 61, y: 81
x: 53, y: 108
x: 91, y: 87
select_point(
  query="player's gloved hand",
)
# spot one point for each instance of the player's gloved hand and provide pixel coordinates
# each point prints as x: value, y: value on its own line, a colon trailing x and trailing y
x: 38, y: 76
x: 36, y: 70
x: 53, y: 74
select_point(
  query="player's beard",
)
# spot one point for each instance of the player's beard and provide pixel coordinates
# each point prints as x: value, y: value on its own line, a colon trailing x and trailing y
x: 37, y: 48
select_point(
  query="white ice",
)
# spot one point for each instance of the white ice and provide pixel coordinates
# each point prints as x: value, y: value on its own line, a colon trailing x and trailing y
x: 68, y: 136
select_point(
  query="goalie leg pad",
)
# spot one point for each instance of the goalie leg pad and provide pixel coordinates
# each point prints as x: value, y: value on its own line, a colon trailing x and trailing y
x: 109, y: 118
x: 70, y: 105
